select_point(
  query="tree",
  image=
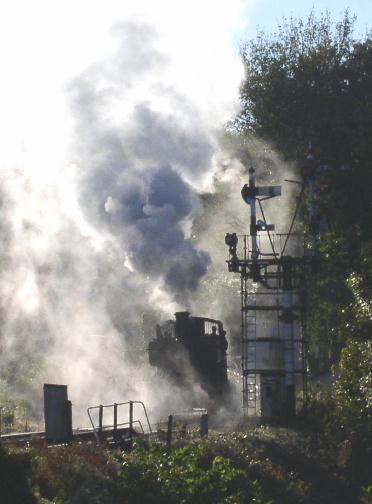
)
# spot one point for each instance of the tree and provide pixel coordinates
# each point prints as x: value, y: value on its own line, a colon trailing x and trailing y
x: 312, y: 80
x: 353, y: 388
x: 294, y: 82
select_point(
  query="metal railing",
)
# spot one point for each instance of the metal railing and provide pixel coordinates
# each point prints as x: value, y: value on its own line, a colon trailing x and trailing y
x: 116, y: 426
x: 198, y: 416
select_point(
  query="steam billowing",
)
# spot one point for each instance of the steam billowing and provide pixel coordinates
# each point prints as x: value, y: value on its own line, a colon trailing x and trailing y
x: 92, y: 245
x: 131, y: 223
x: 135, y: 167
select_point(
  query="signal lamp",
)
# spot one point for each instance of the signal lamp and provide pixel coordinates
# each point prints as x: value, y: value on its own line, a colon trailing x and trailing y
x: 248, y: 193
x: 231, y: 240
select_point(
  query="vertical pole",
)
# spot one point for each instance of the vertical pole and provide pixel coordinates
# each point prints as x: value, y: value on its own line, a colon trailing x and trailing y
x: 131, y: 422
x: 100, y: 420
x: 69, y: 420
x: 252, y: 382
x: 169, y: 432
x: 252, y: 204
x: 288, y: 337
x: 243, y: 295
x: 204, y: 425
x: 115, y: 419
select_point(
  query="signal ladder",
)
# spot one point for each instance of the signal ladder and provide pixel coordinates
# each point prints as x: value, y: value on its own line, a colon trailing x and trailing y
x: 249, y: 361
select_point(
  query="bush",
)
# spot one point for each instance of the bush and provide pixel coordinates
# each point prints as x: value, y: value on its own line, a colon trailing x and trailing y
x: 353, y: 389
x: 189, y: 474
x: 342, y: 418
x: 14, y: 483
x: 194, y: 473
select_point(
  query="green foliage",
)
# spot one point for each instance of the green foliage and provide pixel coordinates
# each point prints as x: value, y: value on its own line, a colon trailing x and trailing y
x: 360, y: 284
x: 301, y: 83
x: 341, y: 418
x: 75, y: 474
x: 14, y: 484
x: 258, y: 466
x: 353, y: 389
x: 320, y: 415
x: 17, y: 375
x: 192, y: 473
x: 347, y: 408
x: 367, y: 495
x: 188, y: 474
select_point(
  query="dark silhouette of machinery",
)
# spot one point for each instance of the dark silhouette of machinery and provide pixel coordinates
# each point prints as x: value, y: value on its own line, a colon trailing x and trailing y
x: 192, y: 349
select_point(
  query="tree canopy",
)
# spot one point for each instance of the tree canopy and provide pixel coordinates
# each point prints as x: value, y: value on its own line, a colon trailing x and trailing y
x: 312, y: 81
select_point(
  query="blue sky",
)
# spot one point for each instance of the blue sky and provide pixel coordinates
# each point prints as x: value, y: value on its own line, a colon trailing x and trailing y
x: 268, y: 13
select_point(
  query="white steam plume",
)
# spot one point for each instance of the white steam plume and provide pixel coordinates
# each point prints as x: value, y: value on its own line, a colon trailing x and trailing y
x: 107, y: 139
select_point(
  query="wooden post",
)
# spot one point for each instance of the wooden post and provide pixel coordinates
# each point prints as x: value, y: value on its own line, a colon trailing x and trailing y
x: 69, y: 420
x: 100, y: 421
x: 204, y: 425
x: 131, y: 423
x: 169, y: 432
x: 115, y: 416
x: 115, y: 420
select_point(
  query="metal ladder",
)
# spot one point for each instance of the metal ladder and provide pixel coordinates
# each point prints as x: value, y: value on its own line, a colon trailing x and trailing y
x: 248, y: 343
x: 252, y: 363
x: 249, y: 362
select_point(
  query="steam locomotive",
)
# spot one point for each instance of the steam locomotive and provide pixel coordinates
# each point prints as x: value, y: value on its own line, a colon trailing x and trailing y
x: 192, y: 350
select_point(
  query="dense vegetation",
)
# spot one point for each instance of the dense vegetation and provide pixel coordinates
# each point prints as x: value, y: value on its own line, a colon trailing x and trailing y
x: 261, y: 466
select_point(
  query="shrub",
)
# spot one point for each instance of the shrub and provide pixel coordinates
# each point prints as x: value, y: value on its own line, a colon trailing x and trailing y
x: 14, y: 482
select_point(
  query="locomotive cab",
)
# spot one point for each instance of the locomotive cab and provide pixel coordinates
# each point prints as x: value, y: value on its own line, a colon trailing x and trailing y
x: 192, y: 346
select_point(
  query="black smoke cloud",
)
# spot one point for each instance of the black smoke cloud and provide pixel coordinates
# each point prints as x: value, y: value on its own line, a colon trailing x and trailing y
x: 161, y: 138
x: 134, y: 169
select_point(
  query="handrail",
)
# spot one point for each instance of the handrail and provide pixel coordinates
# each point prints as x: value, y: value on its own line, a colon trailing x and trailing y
x: 109, y: 427
x: 101, y: 408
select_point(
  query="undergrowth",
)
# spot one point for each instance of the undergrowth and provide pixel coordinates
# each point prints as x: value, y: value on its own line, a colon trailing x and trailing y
x: 260, y: 466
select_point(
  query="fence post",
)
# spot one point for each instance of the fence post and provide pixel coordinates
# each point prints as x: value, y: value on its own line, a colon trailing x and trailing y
x: 131, y: 423
x: 204, y: 425
x: 115, y: 416
x: 70, y: 434
x: 169, y: 432
x: 115, y: 420
x: 100, y: 421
